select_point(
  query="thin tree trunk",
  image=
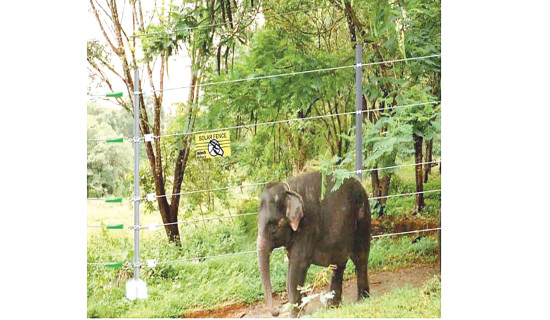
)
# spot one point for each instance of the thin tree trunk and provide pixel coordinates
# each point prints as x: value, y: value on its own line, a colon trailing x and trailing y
x: 181, y: 164
x: 218, y: 59
x: 428, y: 159
x: 376, y: 191
x: 375, y: 183
x: 226, y: 55
x: 419, y: 202
x: 279, y: 147
x: 230, y: 16
x: 384, y: 187
x: 380, y: 188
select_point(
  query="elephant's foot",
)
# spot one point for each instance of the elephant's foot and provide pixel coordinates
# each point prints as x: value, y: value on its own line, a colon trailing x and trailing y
x: 363, y: 294
x: 295, y: 312
x: 336, y: 285
x: 334, y: 302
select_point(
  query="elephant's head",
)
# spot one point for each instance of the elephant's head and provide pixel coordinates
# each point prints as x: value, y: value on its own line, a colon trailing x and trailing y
x: 281, y: 211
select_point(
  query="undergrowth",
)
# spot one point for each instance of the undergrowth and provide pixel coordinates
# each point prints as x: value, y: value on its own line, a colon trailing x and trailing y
x: 180, y: 287
x: 423, y: 302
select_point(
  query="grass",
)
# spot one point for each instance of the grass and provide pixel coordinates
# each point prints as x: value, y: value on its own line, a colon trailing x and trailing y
x: 424, y: 302
x: 181, y: 287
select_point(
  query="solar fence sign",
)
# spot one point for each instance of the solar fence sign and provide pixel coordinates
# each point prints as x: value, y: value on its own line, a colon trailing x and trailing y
x: 213, y: 144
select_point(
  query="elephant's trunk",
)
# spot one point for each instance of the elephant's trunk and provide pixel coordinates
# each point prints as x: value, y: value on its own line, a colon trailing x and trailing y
x: 264, y: 251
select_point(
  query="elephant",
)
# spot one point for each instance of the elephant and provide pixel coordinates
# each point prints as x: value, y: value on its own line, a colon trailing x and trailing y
x: 325, y: 231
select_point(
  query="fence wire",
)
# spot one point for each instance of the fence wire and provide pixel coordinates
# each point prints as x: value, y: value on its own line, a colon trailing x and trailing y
x: 206, y: 84
x: 358, y: 65
x: 154, y: 226
x: 297, y: 119
x: 284, y: 121
x: 264, y: 183
x: 198, y: 259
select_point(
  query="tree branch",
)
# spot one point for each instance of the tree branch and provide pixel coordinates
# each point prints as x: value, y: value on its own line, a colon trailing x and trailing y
x: 102, y: 28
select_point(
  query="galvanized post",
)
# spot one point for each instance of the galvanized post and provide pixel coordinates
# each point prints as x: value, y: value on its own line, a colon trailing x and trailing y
x: 136, y: 175
x: 136, y: 288
x: 358, y: 110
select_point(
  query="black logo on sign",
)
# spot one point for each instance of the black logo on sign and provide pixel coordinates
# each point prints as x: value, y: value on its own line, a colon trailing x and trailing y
x: 214, y: 148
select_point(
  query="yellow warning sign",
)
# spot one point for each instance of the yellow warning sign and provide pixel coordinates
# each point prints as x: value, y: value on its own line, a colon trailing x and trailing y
x: 213, y: 144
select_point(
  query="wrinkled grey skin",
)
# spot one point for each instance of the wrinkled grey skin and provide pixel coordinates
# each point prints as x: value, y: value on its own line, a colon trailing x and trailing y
x: 314, y: 231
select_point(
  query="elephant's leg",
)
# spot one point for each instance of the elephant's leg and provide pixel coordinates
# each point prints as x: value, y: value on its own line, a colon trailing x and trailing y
x: 361, y: 261
x: 336, y: 285
x: 296, y: 276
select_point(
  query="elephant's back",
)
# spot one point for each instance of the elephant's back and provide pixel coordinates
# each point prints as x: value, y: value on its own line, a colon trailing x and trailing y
x: 340, y: 212
x: 308, y: 185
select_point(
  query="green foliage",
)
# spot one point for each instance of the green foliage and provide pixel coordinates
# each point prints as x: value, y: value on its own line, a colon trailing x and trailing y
x: 96, y: 53
x: 277, y: 151
x: 107, y: 164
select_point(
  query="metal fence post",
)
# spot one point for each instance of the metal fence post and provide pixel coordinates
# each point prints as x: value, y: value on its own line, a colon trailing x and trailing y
x: 136, y: 174
x: 136, y: 288
x: 358, y: 110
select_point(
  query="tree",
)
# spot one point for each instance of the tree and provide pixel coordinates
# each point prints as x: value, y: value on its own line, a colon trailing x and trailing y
x: 195, y: 25
x: 124, y: 44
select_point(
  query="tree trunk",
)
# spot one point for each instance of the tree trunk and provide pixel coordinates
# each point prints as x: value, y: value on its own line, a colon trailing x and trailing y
x: 380, y: 187
x: 169, y: 211
x: 419, y: 203
x: 384, y: 187
x: 173, y: 231
x: 376, y: 190
x: 428, y: 159
x: 279, y: 146
x: 219, y: 59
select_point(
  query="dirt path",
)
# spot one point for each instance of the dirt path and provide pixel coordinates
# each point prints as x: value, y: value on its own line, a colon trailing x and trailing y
x: 380, y: 283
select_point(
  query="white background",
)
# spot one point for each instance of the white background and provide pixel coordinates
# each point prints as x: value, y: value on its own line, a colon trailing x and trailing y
x: 495, y: 148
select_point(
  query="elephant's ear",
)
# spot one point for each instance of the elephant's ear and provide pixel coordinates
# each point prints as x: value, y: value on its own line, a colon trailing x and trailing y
x: 294, y: 209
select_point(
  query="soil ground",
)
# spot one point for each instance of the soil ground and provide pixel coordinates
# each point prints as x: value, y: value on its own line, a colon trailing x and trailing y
x: 380, y: 283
